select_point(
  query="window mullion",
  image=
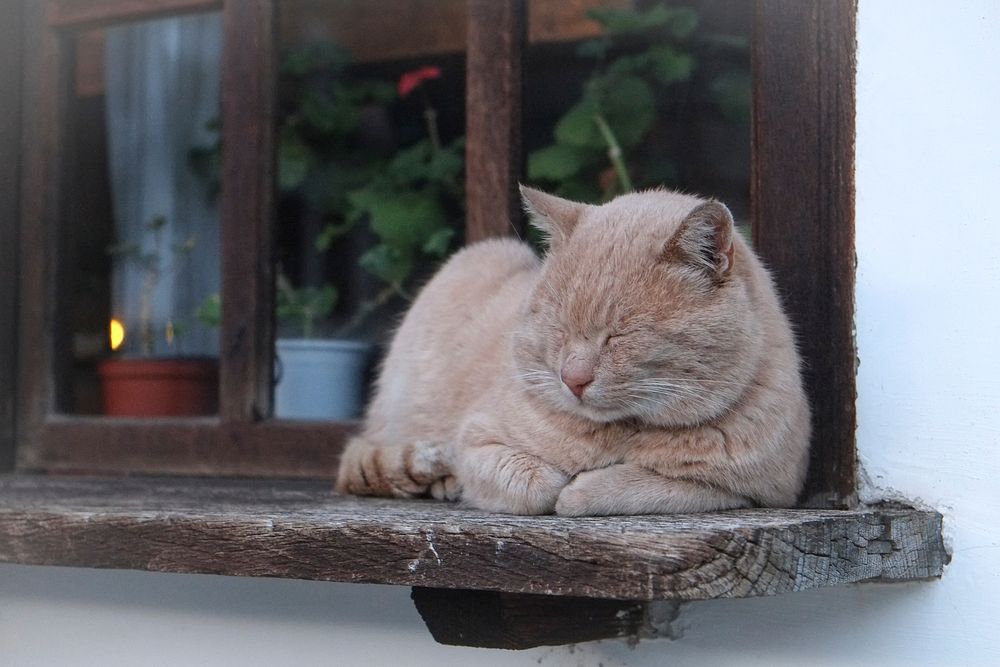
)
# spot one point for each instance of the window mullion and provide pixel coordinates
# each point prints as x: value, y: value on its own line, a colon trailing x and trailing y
x: 248, y: 149
x: 10, y: 156
x: 496, y: 36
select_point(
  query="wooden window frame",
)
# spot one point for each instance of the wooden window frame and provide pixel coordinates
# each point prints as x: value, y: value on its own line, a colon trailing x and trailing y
x: 802, y: 197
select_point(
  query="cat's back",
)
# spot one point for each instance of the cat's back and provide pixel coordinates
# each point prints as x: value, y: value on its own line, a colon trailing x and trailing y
x: 453, y: 341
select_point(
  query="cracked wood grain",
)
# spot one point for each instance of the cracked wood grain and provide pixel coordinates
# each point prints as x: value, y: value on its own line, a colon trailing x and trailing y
x: 300, y: 530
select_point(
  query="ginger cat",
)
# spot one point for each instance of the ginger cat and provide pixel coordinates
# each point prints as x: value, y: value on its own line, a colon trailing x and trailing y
x: 644, y: 366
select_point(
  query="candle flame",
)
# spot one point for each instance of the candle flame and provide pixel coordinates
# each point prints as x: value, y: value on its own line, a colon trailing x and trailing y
x: 116, y: 332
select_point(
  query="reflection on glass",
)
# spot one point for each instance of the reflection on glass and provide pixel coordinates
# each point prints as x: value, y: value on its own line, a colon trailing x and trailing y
x: 144, y: 230
x: 371, y: 194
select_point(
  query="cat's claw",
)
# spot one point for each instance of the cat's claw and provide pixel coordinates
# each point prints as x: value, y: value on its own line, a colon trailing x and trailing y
x: 446, y: 488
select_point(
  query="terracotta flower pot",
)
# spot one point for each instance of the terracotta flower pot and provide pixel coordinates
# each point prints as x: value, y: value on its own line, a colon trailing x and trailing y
x: 159, y: 387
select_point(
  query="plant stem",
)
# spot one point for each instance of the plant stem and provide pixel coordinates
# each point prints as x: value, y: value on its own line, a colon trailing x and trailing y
x: 430, y: 115
x: 432, y: 129
x: 307, y: 324
x: 614, y: 152
x: 369, y: 307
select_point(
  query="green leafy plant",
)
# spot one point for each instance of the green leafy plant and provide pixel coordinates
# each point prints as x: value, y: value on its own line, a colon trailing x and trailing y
x: 304, y: 306
x: 405, y: 197
x: 408, y: 203
x: 640, y: 55
x: 152, y: 263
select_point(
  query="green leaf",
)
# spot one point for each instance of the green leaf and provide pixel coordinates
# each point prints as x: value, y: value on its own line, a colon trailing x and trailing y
x: 557, y: 162
x: 732, y: 92
x: 304, y: 306
x: 683, y: 22
x: 410, y: 165
x: 294, y: 161
x: 329, y: 116
x: 405, y: 220
x: 593, y: 48
x: 577, y: 127
x: 319, y: 301
x: 359, y: 93
x: 330, y: 233
x: 390, y: 265
x: 630, y: 109
x: 210, y: 311
x: 670, y: 66
x: 626, y: 21
x: 439, y: 242
x: 581, y: 190
x: 621, y: 67
x: 445, y: 165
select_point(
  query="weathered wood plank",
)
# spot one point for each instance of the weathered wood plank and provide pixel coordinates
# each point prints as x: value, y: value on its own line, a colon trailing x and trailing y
x: 496, y: 32
x: 300, y: 530
x: 802, y: 195
x: 11, y: 31
x: 192, y: 446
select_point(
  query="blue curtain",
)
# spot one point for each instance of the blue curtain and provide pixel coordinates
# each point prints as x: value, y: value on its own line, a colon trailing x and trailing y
x: 162, y: 90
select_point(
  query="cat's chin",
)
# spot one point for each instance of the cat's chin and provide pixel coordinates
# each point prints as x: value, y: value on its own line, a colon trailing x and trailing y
x: 591, y: 412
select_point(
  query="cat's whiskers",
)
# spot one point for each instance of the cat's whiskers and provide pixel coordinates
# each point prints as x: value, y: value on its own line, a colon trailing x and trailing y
x: 699, y: 401
x: 688, y: 380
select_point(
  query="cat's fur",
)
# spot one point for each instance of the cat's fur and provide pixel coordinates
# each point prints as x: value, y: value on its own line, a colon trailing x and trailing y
x: 696, y: 401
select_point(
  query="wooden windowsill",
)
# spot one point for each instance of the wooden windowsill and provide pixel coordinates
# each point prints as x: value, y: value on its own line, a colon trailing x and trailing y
x: 300, y: 530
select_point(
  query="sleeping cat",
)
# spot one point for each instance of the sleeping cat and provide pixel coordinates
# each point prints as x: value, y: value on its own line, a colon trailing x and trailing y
x: 644, y: 366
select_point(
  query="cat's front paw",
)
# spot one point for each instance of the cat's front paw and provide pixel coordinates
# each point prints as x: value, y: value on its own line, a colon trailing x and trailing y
x: 371, y: 469
x: 586, y: 495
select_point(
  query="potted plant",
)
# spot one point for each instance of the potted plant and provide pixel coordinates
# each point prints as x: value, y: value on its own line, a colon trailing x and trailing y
x: 135, y: 383
x: 405, y: 205
x: 316, y: 378
x: 337, y: 178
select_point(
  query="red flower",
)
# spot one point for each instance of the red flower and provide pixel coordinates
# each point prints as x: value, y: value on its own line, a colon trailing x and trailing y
x: 412, y: 80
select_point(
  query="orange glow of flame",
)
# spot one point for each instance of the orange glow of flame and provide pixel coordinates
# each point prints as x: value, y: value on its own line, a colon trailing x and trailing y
x: 116, y: 332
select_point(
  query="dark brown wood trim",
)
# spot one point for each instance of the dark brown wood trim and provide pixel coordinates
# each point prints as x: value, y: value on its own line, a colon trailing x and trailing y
x: 45, y: 95
x: 301, y: 530
x: 11, y: 32
x: 199, y: 447
x: 83, y: 14
x: 490, y: 619
x: 496, y: 37
x: 248, y: 97
x: 803, y: 210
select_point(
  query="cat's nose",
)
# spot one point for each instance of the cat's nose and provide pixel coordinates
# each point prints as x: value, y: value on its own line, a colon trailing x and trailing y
x: 576, y: 378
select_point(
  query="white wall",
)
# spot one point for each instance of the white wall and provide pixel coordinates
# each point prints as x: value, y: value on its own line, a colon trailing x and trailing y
x: 929, y: 407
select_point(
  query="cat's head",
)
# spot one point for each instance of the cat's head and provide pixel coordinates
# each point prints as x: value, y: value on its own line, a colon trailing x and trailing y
x: 641, y: 311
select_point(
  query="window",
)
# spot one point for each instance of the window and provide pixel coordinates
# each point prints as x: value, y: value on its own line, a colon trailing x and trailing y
x: 801, y: 212
x: 801, y: 202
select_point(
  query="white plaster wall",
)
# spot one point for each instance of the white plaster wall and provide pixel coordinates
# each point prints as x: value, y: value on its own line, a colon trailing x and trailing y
x: 928, y: 323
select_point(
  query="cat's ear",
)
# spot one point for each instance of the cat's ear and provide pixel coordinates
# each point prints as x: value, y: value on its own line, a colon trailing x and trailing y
x: 705, y: 240
x: 555, y: 217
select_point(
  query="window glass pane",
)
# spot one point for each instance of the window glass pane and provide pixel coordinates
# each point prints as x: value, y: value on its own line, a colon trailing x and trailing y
x: 626, y: 95
x: 370, y: 185
x: 140, y: 231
